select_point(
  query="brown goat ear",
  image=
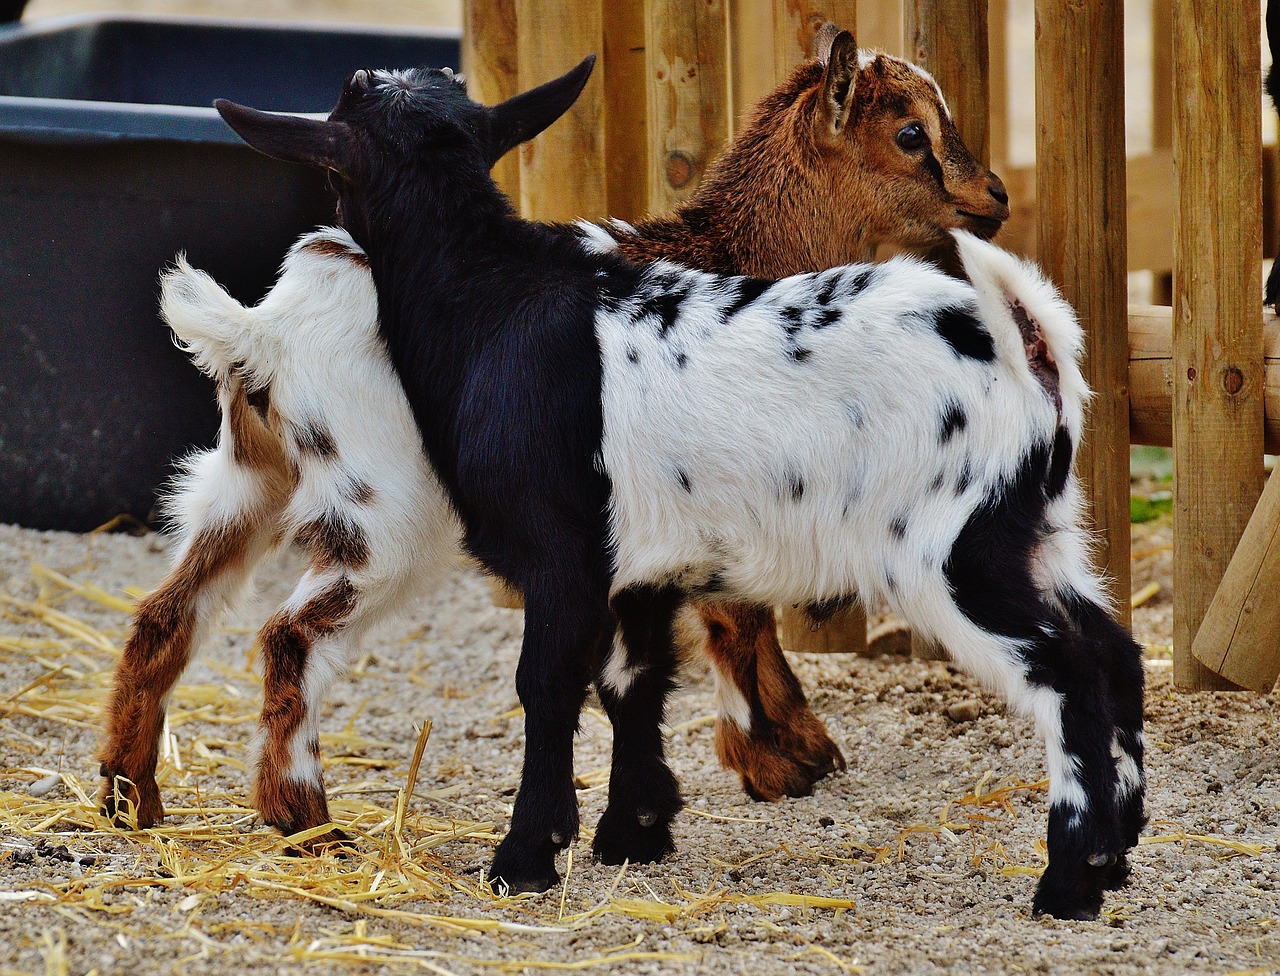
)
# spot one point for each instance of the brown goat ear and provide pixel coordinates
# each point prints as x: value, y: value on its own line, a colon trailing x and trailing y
x: 328, y: 145
x: 838, y: 81
x: 522, y: 117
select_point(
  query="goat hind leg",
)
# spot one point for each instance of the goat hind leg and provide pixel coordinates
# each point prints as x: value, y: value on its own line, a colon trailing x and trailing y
x: 305, y: 645
x: 1121, y: 659
x: 644, y: 796
x: 168, y: 625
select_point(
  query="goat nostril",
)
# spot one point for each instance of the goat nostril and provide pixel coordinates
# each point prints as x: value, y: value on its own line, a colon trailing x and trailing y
x: 1001, y: 195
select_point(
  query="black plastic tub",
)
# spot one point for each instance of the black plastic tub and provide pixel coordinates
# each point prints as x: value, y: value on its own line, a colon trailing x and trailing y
x: 111, y: 161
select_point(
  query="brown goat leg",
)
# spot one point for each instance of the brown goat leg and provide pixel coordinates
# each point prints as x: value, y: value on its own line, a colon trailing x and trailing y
x: 766, y: 731
x: 165, y: 629
x: 289, y: 788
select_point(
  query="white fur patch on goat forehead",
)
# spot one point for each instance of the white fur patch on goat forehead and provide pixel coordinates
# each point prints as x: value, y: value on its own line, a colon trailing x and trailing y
x: 942, y: 99
x: 405, y: 79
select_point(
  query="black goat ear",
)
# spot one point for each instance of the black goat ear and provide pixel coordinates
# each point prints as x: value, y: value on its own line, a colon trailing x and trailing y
x: 316, y: 142
x: 522, y: 117
x: 839, y: 78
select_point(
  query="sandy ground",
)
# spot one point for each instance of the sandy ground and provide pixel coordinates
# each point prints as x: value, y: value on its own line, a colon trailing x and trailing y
x: 918, y: 879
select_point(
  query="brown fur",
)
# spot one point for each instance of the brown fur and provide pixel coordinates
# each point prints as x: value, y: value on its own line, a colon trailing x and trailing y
x: 330, y: 540
x: 286, y: 641
x: 334, y: 249
x: 787, y: 749
x: 813, y: 181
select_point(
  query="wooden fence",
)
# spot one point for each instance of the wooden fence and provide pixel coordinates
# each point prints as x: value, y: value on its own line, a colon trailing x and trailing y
x: 675, y: 76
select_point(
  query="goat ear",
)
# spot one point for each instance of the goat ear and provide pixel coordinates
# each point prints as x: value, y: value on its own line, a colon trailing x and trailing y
x: 838, y: 81
x: 522, y: 117
x: 820, y: 49
x: 316, y: 142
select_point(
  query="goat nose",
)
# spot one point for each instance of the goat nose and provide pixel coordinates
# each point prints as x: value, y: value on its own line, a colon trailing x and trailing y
x: 998, y: 191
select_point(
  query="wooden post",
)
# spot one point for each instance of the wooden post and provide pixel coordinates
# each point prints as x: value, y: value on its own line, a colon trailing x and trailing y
x: 1080, y: 178
x: 687, y: 93
x: 998, y: 84
x: 489, y: 64
x: 625, y: 75
x: 1151, y: 377
x: 880, y: 26
x: 562, y: 172
x: 1217, y: 318
x: 948, y: 38
x: 1161, y: 120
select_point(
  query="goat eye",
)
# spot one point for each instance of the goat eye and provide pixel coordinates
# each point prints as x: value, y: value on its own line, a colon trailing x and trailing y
x: 912, y: 137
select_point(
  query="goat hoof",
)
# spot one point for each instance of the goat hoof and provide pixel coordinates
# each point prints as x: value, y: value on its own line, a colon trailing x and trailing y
x: 1101, y: 860
x: 622, y: 837
x: 1116, y: 875
x: 129, y: 805
x: 1073, y: 892
x: 515, y: 872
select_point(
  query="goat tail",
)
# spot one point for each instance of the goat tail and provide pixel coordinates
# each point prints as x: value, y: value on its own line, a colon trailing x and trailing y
x: 215, y: 330
x: 1030, y: 322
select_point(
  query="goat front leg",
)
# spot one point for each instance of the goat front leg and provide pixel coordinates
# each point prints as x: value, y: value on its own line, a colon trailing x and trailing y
x: 639, y: 674
x: 225, y: 544
x: 765, y: 729
x: 563, y: 637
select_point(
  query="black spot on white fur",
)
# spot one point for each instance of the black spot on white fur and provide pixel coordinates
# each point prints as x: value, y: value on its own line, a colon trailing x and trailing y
x: 965, y: 334
x: 898, y: 527
x: 749, y: 289
x: 682, y: 476
x: 953, y: 421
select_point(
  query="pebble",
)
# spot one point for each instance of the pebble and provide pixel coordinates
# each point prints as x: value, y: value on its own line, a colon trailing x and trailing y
x: 964, y: 711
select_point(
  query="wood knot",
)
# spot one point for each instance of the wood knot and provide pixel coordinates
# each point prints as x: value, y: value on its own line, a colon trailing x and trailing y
x: 679, y: 169
x: 1232, y: 380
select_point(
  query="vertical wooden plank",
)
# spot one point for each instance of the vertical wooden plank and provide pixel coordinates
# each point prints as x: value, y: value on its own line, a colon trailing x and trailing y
x: 1080, y: 181
x: 1217, y: 318
x: 750, y: 55
x: 562, y: 171
x: 1161, y: 74
x: 1162, y: 115
x: 687, y: 93
x: 795, y: 22
x: 997, y: 84
x: 625, y: 74
x: 948, y: 38
x: 489, y: 64
x: 880, y: 26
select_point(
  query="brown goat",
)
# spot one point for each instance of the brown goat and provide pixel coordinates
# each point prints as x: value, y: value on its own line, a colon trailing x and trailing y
x: 855, y: 149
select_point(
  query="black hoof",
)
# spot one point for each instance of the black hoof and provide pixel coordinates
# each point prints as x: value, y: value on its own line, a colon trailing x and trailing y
x: 640, y: 837
x: 1073, y: 893
x: 1116, y: 875
x: 518, y: 869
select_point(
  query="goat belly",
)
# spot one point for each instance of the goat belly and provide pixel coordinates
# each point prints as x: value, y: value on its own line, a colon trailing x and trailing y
x: 785, y: 448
